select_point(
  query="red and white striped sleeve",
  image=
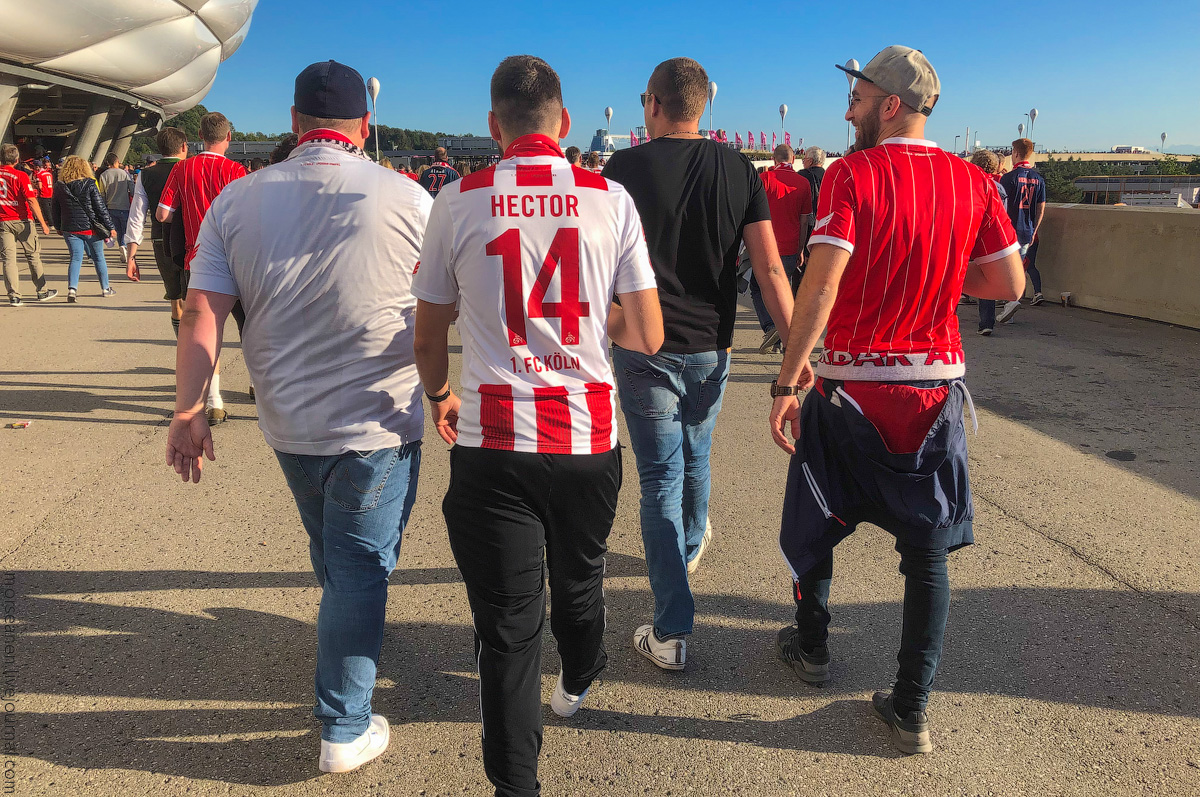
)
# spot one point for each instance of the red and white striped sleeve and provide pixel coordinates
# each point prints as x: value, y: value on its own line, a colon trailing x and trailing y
x: 167, y: 199
x: 836, y: 208
x: 996, y: 238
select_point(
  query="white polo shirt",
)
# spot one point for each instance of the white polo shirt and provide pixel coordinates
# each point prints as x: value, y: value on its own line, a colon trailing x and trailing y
x: 321, y: 250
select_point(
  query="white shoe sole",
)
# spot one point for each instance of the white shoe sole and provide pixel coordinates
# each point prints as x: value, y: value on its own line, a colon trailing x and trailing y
x: 694, y: 565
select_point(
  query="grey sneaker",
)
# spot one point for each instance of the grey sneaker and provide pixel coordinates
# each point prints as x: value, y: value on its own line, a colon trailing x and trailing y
x: 910, y: 732
x: 45, y: 296
x: 694, y: 563
x: 985, y: 331
x: 1010, y: 310
x: 812, y: 666
x: 15, y: 301
x: 769, y: 341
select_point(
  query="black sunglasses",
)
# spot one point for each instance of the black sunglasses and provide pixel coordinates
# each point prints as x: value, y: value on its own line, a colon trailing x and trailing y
x: 646, y: 96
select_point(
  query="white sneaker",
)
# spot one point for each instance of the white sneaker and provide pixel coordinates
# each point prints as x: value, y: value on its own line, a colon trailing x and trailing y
x: 564, y: 704
x: 694, y: 563
x: 1010, y: 310
x: 670, y: 654
x: 349, y: 756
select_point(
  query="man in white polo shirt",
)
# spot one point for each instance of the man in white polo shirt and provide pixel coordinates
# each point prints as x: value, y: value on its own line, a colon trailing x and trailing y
x: 532, y: 252
x: 321, y: 250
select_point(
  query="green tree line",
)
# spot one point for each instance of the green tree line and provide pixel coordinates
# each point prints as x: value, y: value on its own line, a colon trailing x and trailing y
x: 189, y: 123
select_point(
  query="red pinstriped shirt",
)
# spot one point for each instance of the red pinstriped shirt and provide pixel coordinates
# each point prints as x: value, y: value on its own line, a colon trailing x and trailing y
x: 912, y: 216
x: 192, y: 186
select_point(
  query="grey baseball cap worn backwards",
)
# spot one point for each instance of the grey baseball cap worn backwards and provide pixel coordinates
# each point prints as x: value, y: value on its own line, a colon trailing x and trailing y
x: 904, y: 72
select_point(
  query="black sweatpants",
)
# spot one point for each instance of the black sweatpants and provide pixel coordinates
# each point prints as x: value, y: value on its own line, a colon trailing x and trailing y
x: 510, y: 514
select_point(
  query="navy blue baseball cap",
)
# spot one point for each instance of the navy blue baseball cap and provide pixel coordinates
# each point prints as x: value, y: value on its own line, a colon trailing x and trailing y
x: 330, y: 90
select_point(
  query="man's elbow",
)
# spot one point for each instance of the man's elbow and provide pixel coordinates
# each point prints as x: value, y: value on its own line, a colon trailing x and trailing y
x: 162, y: 215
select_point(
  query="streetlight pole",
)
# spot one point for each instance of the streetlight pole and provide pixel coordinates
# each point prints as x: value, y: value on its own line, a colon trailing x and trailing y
x: 783, y: 109
x: 712, y: 97
x: 851, y: 64
x: 956, y: 138
x: 373, y: 90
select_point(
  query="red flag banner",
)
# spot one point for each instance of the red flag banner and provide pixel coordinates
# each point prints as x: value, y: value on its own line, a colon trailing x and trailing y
x: 787, y: 138
x: 737, y: 139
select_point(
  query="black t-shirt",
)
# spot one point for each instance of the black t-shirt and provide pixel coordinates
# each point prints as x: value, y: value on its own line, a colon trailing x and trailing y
x: 436, y: 176
x: 695, y: 197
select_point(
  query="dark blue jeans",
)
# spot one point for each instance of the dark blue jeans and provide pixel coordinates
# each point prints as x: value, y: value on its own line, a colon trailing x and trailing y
x: 926, y: 609
x: 760, y: 307
x: 354, y: 507
x: 987, y: 313
x: 1029, y: 255
x: 670, y: 402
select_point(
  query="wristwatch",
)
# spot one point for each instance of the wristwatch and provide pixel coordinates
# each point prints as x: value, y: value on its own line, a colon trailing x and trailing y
x: 778, y: 390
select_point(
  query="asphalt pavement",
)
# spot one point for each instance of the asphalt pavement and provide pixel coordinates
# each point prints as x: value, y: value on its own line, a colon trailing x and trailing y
x: 164, y: 641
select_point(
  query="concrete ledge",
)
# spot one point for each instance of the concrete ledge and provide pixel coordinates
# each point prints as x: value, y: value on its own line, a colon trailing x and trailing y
x: 1142, y: 262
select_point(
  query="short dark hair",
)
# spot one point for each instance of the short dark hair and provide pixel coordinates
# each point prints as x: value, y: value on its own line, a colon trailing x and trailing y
x: 526, y: 95
x: 440, y: 153
x: 284, y: 148
x: 214, y: 127
x: 783, y: 153
x: 170, y: 140
x: 111, y: 159
x: 573, y: 154
x: 1022, y: 148
x: 681, y: 87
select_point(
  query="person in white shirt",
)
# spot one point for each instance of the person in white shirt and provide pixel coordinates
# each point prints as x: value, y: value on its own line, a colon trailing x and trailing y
x: 321, y: 250
x: 528, y: 255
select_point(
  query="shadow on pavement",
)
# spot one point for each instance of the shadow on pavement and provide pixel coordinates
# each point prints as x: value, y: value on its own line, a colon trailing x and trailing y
x: 1091, y: 648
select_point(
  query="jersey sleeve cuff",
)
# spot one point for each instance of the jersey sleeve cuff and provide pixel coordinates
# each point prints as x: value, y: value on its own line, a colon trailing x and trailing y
x: 433, y: 298
x: 841, y: 243
x: 1005, y: 252
x: 166, y: 207
x: 213, y: 284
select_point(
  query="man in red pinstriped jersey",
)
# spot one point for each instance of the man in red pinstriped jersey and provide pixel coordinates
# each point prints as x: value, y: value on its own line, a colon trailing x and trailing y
x: 191, y: 187
x: 532, y: 251
x: 902, y: 229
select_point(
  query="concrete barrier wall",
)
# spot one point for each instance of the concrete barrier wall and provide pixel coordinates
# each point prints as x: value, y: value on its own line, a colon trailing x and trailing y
x: 1142, y: 262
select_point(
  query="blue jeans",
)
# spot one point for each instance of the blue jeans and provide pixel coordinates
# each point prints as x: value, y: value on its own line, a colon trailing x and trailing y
x: 670, y: 402
x: 1029, y: 258
x: 987, y: 313
x: 760, y: 307
x: 926, y: 610
x: 120, y: 219
x: 94, y: 246
x: 354, y: 507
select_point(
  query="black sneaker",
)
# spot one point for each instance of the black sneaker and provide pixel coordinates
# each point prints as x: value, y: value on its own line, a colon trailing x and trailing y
x: 812, y: 665
x: 15, y: 301
x: 910, y: 732
x: 45, y: 296
x: 1037, y: 299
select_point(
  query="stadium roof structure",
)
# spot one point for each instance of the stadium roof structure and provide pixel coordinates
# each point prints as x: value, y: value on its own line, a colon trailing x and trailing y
x: 68, y: 68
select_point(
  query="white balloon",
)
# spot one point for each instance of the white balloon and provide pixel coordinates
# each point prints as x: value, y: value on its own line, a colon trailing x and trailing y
x: 851, y: 64
x: 1021, y: 129
x: 783, y: 111
x: 373, y: 88
x: 608, y: 113
x: 1033, y: 115
x: 712, y: 90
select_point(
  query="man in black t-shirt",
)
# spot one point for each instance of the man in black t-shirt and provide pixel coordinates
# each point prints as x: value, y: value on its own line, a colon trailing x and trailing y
x: 437, y: 175
x: 698, y: 200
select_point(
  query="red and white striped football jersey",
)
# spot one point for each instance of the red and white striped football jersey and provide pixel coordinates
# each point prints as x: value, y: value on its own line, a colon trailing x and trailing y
x: 533, y: 250
x: 912, y: 216
x: 192, y: 186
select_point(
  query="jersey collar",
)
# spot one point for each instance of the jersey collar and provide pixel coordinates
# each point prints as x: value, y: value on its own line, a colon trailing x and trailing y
x: 783, y: 167
x: 910, y: 142
x: 532, y: 146
x: 325, y: 133
x: 1023, y: 165
x: 322, y: 136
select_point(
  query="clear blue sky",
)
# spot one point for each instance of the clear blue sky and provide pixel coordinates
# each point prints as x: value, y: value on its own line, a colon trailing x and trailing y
x: 1099, y: 73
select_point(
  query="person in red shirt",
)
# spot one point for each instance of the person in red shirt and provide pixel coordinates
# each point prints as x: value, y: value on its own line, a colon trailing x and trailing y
x: 191, y: 187
x: 44, y: 180
x: 18, y: 198
x: 789, y: 195
x: 903, y: 228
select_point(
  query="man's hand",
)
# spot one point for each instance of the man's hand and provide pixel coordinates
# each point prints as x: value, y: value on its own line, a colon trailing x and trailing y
x: 785, y: 410
x: 188, y: 438
x: 131, y: 268
x: 45, y: 228
x: 445, y: 418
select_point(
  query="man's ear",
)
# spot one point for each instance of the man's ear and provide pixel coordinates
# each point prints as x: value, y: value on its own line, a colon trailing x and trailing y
x: 295, y: 122
x: 565, y: 129
x: 494, y: 129
x: 365, y: 129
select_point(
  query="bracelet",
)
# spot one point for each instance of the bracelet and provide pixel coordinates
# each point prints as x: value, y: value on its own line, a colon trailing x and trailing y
x: 438, y: 399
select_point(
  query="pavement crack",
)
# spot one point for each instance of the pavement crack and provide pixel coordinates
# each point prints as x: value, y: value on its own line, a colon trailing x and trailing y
x: 147, y: 436
x: 1091, y: 562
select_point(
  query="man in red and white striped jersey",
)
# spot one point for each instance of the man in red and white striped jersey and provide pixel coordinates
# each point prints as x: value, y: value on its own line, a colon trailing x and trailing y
x: 903, y: 228
x: 532, y: 252
x: 191, y: 187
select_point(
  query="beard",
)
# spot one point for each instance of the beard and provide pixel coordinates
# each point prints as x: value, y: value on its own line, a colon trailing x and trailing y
x: 866, y: 135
